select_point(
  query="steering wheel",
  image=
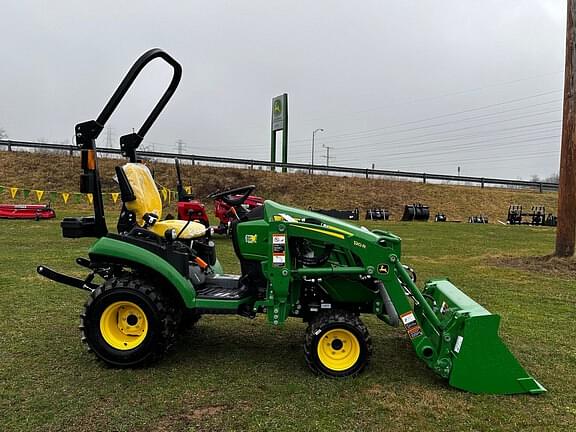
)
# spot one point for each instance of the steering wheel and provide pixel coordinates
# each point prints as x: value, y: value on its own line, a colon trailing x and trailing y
x: 227, y: 195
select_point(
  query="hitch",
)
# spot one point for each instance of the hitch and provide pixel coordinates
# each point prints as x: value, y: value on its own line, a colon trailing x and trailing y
x: 85, y: 284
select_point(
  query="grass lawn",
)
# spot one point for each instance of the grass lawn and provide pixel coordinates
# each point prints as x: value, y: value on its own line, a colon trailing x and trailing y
x: 231, y: 373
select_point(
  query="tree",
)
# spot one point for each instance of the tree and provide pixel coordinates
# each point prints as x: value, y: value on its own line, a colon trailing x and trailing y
x: 552, y: 178
x: 3, y: 134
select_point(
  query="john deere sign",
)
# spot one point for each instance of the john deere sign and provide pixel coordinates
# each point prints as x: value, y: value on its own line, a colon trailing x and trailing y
x: 278, y: 112
x: 280, y: 123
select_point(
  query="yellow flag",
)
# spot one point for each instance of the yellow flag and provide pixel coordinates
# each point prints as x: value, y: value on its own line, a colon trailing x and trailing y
x: 90, y: 198
x: 65, y: 197
x: 115, y: 196
x: 188, y: 189
x: 13, y: 192
x: 165, y: 194
x: 39, y: 194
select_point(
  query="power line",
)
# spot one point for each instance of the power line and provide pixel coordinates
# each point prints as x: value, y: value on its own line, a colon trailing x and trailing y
x: 472, y: 146
x: 457, y: 93
x: 327, y: 157
x: 507, y: 102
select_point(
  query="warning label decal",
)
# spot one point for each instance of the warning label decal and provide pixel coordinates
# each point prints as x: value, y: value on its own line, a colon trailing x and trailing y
x: 278, y: 259
x: 279, y: 250
x: 444, y: 308
x: 278, y: 238
x: 411, y: 325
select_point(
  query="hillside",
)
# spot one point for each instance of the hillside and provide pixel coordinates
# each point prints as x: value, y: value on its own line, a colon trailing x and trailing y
x: 52, y: 172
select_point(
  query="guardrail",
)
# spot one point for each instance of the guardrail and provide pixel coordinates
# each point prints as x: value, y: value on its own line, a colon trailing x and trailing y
x: 367, y: 172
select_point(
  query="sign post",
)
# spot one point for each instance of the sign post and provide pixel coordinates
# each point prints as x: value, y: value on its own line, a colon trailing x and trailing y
x: 279, y: 123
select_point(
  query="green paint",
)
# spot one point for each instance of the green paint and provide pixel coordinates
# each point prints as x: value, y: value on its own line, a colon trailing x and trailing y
x: 469, y: 342
x: 106, y: 246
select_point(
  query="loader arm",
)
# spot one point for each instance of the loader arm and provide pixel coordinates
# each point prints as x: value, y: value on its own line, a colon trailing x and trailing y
x: 454, y: 335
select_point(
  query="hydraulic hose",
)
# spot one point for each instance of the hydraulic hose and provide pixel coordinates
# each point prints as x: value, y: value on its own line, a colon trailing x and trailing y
x: 391, y: 317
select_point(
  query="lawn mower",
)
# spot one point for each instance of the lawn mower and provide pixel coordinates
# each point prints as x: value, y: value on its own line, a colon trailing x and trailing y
x: 229, y: 205
x: 188, y: 206
x: 295, y: 264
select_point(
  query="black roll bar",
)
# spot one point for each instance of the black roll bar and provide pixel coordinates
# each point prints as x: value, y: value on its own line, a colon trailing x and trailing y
x: 87, y: 132
x: 96, y: 126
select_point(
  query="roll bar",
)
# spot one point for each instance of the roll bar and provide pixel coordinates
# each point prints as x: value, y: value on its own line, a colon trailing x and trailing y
x: 90, y: 130
x: 87, y: 132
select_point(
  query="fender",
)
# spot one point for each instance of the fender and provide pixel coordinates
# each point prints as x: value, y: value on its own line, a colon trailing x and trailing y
x: 129, y: 253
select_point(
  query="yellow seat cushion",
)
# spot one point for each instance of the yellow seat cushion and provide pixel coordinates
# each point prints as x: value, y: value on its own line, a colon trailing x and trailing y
x: 145, y: 191
x: 147, y: 200
x: 193, y: 230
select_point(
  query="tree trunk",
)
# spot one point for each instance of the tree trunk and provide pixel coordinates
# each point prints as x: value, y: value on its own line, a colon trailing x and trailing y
x: 566, y: 230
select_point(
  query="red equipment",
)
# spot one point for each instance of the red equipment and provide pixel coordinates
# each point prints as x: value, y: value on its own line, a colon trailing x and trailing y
x: 189, y: 208
x: 229, y: 205
x: 194, y: 210
x: 232, y: 204
x: 27, y: 211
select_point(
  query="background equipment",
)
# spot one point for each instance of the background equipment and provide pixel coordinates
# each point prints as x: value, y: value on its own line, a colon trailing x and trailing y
x: 27, y: 211
x: 230, y: 205
x: 536, y: 216
x: 416, y: 212
x: 440, y: 217
x: 339, y: 214
x: 188, y: 206
x: 478, y: 219
x: 377, y: 214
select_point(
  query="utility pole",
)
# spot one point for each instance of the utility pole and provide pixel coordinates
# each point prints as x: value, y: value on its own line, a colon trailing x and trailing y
x: 109, y: 137
x: 566, y: 229
x: 180, y: 144
x: 327, y: 153
x: 312, y: 159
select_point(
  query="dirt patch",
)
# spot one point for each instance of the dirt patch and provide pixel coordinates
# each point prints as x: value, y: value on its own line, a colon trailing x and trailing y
x: 206, y: 411
x: 548, y: 264
x: 200, y: 418
x: 375, y: 390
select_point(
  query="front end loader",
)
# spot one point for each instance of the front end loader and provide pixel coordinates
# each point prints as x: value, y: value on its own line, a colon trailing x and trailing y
x: 144, y: 286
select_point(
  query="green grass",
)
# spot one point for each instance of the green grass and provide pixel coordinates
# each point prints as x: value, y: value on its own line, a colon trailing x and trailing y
x: 231, y: 373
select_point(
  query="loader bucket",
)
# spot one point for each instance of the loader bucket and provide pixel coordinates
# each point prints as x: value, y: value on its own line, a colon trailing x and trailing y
x: 481, y: 362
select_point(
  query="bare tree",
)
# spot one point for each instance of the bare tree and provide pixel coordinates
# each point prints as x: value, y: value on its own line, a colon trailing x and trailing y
x: 552, y: 178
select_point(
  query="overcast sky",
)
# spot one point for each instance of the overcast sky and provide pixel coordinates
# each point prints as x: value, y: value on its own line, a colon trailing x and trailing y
x: 409, y: 85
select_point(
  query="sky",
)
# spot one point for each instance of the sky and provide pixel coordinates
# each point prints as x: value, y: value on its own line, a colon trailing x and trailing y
x: 426, y: 86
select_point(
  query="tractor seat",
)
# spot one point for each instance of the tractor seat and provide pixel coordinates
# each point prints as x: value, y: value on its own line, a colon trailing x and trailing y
x: 142, y: 202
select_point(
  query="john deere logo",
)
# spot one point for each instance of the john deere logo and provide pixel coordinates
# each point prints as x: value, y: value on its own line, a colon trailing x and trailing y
x: 277, y: 107
x: 383, y: 268
x: 251, y: 238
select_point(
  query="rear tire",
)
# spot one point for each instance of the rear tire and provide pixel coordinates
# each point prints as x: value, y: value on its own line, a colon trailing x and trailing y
x: 337, y: 344
x: 127, y: 322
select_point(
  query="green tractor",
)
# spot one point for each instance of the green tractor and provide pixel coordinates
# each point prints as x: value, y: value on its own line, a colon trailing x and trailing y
x: 156, y: 276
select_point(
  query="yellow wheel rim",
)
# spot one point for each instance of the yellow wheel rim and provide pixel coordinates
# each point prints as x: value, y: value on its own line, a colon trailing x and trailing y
x: 123, y: 325
x: 338, y: 349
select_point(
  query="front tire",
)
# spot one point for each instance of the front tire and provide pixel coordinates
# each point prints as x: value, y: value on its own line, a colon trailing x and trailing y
x: 337, y: 344
x: 127, y: 322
